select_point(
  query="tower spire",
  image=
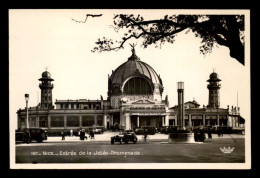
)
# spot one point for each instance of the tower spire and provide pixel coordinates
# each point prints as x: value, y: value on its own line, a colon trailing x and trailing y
x: 214, y: 86
x: 46, y: 90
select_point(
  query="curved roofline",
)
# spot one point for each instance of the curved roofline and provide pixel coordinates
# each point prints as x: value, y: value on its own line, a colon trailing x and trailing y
x: 152, y: 70
x: 131, y: 68
x: 135, y: 76
x: 114, y: 72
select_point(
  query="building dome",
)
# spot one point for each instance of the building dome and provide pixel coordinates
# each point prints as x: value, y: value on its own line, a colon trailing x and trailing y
x: 134, y: 68
x: 213, y: 77
x: 46, y: 76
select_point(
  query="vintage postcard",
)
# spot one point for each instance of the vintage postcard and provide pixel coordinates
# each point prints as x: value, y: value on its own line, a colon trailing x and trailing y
x: 129, y: 89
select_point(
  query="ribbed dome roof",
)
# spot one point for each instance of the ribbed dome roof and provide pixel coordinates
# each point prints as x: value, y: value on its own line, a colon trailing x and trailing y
x: 46, y: 76
x: 134, y: 66
x: 214, y: 77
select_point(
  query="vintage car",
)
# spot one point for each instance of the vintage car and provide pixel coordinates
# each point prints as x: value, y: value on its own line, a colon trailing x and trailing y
x: 150, y: 130
x: 139, y: 131
x: 98, y: 130
x: 37, y: 134
x: 222, y: 129
x: 171, y: 129
x: 129, y: 137
x: 117, y: 138
x: 19, y: 135
x: 225, y: 129
x: 163, y: 129
x: 125, y: 136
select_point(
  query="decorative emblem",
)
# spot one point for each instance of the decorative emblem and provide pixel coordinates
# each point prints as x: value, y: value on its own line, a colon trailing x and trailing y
x: 124, y: 99
x: 227, y: 150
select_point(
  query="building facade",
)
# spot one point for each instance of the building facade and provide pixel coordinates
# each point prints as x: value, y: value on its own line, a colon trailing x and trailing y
x: 134, y: 100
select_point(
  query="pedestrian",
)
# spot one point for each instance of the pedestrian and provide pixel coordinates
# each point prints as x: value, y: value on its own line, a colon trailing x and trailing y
x: 91, y: 133
x: 82, y: 134
x: 209, y: 134
x: 202, y: 135
x: 71, y: 132
x: 219, y: 132
x: 62, y: 135
x: 27, y: 137
x: 145, y: 135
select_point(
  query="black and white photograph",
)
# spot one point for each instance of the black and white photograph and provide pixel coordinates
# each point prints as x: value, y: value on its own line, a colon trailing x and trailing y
x: 129, y: 89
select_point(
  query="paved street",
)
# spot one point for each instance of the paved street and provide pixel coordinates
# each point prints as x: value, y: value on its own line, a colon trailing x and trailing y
x: 157, y: 150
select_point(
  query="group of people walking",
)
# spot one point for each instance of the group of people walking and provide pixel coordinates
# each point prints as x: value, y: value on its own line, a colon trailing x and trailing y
x: 82, y: 134
x: 200, y: 134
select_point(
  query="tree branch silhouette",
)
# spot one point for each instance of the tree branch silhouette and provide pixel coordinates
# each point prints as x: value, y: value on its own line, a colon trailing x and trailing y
x: 88, y: 15
x: 226, y: 30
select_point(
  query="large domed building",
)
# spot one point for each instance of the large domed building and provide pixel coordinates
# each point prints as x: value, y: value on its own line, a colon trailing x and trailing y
x: 134, y: 85
x: 134, y: 99
x: 134, y: 80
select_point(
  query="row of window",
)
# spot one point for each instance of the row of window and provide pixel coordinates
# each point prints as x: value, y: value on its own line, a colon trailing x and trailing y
x: 201, y: 117
x: 77, y: 106
x: 45, y: 98
x: 46, y: 91
x: 72, y: 121
x: 199, y: 122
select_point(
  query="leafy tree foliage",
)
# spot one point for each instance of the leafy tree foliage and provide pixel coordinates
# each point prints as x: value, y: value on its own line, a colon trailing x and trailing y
x: 226, y: 30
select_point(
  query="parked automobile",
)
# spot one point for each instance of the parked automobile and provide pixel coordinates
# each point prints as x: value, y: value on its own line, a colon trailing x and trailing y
x: 27, y: 135
x: 240, y: 130
x: 38, y: 134
x: 171, y: 129
x: 222, y: 129
x: 163, y: 129
x: 150, y: 130
x: 98, y: 129
x: 139, y: 131
x: 225, y: 129
x: 19, y: 135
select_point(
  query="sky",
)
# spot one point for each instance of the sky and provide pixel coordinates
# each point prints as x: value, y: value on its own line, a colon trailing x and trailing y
x: 50, y: 38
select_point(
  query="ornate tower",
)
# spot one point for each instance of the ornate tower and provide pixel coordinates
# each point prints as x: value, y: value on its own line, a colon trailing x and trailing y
x: 214, y: 87
x: 46, y: 90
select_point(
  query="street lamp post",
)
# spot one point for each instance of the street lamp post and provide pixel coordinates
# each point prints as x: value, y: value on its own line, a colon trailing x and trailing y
x: 27, y: 99
x: 180, y: 89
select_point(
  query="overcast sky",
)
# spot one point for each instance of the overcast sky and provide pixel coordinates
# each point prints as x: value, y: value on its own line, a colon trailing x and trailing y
x: 40, y: 38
